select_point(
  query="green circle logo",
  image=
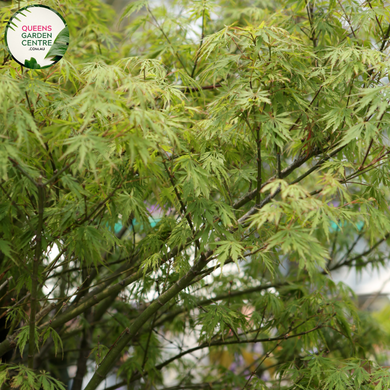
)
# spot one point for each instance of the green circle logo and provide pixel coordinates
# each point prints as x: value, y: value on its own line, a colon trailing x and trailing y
x: 37, y: 36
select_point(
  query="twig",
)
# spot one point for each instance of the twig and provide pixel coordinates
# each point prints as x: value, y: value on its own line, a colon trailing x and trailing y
x: 200, y: 46
x: 385, y: 39
x: 17, y: 166
x: 278, y: 164
x: 167, y: 39
x: 29, y: 105
x: 258, y: 142
x: 206, y: 87
x: 347, y: 18
x: 369, y: 302
x: 366, y: 155
x: 17, y: 207
x: 53, y: 178
x: 376, y: 18
x: 6, y: 282
x: 34, y: 288
x: 367, y: 252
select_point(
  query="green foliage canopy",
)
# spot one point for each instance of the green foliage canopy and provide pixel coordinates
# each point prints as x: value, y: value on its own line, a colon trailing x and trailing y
x: 260, y: 131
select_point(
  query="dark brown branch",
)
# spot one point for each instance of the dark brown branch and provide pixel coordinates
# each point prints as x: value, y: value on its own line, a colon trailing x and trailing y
x: 318, y: 165
x: 200, y: 46
x: 29, y: 105
x: 93, y: 273
x: 18, y: 167
x: 310, y: 104
x: 347, y: 18
x: 17, y: 207
x: 214, y: 344
x: 385, y: 39
x: 367, y: 252
x: 376, y: 18
x: 130, y: 333
x: 284, y: 173
x: 258, y: 141
x: 54, y: 178
x: 167, y: 39
x: 6, y: 282
x: 84, y: 351
x: 206, y: 87
x: 208, y: 301
x: 34, y: 285
x: 366, y: 155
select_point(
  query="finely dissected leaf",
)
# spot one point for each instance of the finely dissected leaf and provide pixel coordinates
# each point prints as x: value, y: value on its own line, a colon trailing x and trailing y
x: 99, y: 351
x: 56, y: 339
x: 221, y: 316
x: 228, y: 249
x: 152, y: 262
x: 309, y: 252
x: 23, y: 338
x: 133, y: 7
x: 5, y: 247
x: 3, y: 375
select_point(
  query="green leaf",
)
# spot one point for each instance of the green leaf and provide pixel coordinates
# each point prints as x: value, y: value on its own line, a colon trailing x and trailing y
x: 228, y: 249
x: 134, y: 6
x: 3, y: 375
x: 60, y: 45
x: 5, y: 247
x: 32, y: 63
x: 23, y: 337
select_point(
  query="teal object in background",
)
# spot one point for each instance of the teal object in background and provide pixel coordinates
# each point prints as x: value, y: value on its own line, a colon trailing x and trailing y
x: 334, y: 227
x: 152, y: 221
x: 117, y: 227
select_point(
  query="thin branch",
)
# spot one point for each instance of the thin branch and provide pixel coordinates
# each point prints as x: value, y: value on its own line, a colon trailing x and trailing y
x: 350, y: 249
x: 284, y: 173
x: 369, y: 302
x: 100, y: 204
x: 258, y: 142
x: 366, y: 155
x: 17, y: 207
x: 385, y: 39
x: 56, y: 275
x: 113, y: 355
x: 376, y: 18
x: 54, y: 178
x: 34, y: 287
x: 168, y: 40
x: 29, y: 105
x: 278, y: 164
x: 6, y: 282
x: 208, y: 301
x: 333, y: 246
x: 18, y: 167
x: 200, y: 45
x: 367, y: 252
x: 317, y: 165
x: 15, y: 305
x: 313, y: 38
x: 206, y: 87
x: 45, y: 311
x: 310, y: 104
x: 217, y: 343
x: 182, y: 207
x: 347, y: 18
x: 84, y: 350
